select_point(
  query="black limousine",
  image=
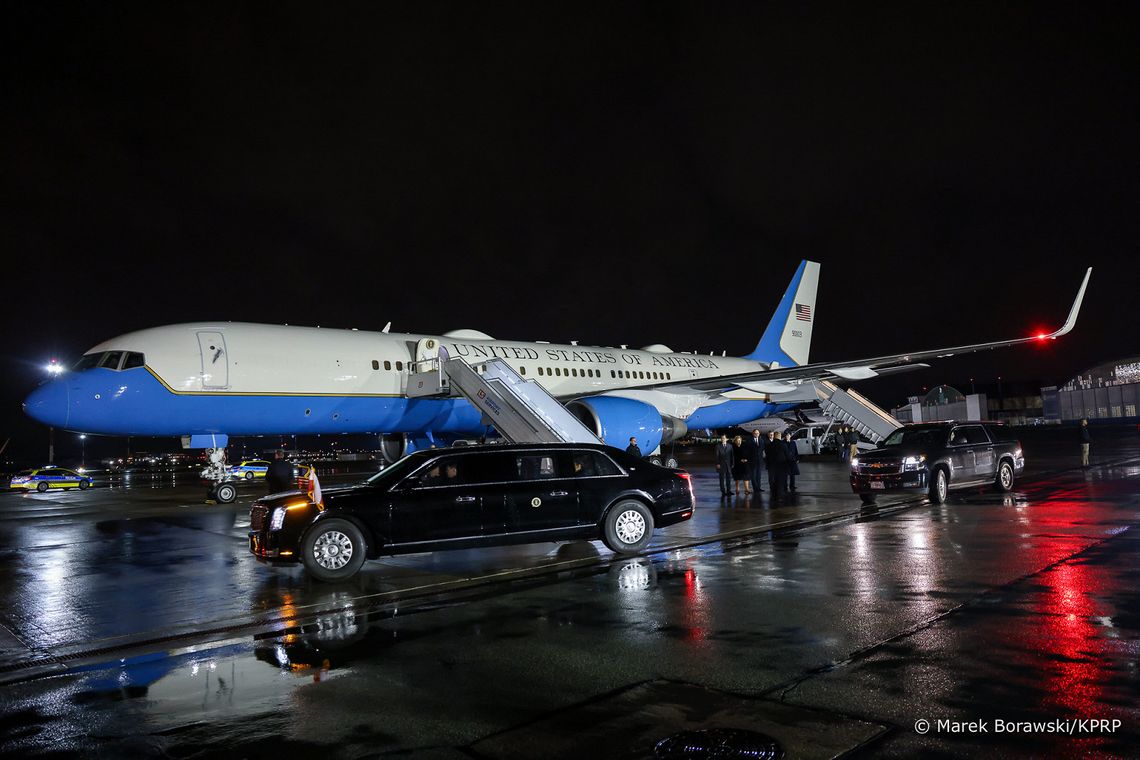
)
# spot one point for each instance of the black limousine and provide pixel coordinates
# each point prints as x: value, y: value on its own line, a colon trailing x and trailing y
x: 461, y: 498
x: 938, y: 457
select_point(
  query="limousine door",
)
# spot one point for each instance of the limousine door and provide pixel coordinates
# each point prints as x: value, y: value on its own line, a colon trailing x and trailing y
x: 543, y: 495
x: 442, y: 502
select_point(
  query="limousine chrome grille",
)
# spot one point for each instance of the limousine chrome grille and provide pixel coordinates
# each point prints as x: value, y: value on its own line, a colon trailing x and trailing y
x: 879, y: 468
x: 257, y: 517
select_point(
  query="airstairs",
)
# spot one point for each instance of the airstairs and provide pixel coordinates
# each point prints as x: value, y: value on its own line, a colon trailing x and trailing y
x: 854, y: 409
x: 520, y: 409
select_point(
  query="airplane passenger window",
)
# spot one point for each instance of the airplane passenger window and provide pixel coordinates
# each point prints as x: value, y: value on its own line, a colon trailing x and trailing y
x: 522, y: 370
x: 375, y: 364
x: 558, y: 371
x: 574, y: 372
x: 540, y: 370
x: 387, y: 365
x: 111, y: 359
x: 399, y: 366
x: 134, y: 359
x: 612, y: 373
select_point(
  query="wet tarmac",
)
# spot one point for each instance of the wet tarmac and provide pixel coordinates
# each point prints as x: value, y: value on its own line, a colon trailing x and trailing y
x: 135, y: 623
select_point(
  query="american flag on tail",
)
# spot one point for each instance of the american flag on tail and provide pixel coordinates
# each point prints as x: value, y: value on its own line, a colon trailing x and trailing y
x: 803, y: 312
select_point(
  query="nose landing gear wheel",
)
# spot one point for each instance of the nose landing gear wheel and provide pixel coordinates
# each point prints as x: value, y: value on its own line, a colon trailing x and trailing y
x: 225, y: 493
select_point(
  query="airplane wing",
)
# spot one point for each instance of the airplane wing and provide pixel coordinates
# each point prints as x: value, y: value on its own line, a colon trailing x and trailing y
x: 784, y: 379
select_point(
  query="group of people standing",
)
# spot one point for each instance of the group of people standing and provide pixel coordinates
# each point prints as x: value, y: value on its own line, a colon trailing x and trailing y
x: 847, y: 443
x: 744, y: 460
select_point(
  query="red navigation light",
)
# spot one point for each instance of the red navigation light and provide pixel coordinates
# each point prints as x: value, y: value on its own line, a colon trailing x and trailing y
x: 1041, y: 336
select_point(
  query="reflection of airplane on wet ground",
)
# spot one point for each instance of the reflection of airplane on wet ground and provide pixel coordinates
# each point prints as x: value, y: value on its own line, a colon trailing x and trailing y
x: 206, y: 381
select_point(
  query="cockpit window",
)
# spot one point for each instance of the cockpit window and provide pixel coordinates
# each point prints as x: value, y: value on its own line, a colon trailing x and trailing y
x: 134, y: 359
x: 87, y: 362
x: 111, y: 359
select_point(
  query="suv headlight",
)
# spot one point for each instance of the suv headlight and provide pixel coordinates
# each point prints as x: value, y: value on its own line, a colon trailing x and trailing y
x: 913, y: 463
x: 277, y: 519
x: 854, y: 463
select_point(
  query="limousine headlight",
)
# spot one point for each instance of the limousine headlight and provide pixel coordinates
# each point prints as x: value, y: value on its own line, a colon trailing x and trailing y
x: 277, y: 519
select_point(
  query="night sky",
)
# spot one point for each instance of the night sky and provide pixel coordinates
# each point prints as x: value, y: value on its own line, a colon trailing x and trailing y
x: 622, y: 174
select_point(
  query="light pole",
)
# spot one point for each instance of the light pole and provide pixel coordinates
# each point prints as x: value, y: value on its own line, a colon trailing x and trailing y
x: 83, y: 451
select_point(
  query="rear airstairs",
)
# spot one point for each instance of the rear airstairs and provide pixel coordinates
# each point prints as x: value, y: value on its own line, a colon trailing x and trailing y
x: 854, y: 409
x: 520, y: 409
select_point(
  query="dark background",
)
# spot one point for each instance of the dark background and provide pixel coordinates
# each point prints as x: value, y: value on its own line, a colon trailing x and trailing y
x: 620, y: 174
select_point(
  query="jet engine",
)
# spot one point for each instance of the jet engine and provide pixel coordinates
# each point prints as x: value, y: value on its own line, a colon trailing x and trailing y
x: 615, y: 420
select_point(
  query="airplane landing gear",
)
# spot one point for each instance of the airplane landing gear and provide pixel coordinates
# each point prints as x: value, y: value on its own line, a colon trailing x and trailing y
x: 223, y: 493
x: 217, y: 471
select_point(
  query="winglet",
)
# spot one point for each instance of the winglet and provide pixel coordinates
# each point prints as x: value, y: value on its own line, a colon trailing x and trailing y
x: 1071, y: 322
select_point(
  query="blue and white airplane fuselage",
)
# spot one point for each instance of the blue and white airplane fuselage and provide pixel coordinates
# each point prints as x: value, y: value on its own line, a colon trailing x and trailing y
x: 223, y: 378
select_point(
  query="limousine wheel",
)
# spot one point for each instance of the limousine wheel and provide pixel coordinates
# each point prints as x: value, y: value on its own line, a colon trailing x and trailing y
x: 939, y: 487
x: 333, y: 550
x: 1004, y: 480
x: 628, y: 527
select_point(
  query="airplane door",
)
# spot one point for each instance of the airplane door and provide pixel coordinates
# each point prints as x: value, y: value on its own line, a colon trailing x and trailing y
x: 215, y: 360
x: 427, y: 349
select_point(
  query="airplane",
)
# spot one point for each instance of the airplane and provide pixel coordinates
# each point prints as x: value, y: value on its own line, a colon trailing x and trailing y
x: 206, y: 381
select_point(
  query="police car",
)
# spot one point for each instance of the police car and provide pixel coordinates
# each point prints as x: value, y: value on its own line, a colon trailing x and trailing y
x: 253, y: 468
x: 45, y: 478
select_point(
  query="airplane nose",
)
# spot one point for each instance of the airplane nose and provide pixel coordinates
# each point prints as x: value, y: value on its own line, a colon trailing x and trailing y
x: 49, y: 404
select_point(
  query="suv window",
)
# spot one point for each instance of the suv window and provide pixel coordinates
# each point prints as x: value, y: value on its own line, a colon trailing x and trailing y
x: 1000, y: 433
x: 967, y: 435
x: 592, y: 464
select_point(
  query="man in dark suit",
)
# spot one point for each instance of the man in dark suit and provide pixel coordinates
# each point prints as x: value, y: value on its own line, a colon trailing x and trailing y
x: 633, y: 448
x: 793, y: 465
x: 777, y: 455
x: 279, y: 476
x: 724, y: 465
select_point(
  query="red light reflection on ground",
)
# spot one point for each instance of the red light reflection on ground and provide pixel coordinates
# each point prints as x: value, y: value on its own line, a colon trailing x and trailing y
x: 696, y: 614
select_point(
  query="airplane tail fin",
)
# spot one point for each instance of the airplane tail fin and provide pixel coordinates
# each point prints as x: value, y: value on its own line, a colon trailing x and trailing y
x: 787, y: 339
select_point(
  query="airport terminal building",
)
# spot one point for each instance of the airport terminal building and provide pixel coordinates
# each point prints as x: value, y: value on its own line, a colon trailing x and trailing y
x: 1107, y: 393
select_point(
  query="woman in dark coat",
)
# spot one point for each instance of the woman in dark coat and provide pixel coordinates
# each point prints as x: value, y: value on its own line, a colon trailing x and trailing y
x: 739, y: 466
x: 793, y: 463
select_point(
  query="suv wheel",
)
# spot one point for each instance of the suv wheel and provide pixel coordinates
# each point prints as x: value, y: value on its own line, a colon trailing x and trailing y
x: 1004, y: 481
x: 939, y: 487
x: 868, y: 498
x: 628, y: 527
x: 333, y: 550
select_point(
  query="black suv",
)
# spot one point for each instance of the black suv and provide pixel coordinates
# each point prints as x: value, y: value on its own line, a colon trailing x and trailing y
x: 936, y: 457
x: 470, y: 497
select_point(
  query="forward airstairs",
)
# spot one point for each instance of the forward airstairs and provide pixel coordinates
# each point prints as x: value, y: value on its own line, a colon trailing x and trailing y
x: 851, y: 408
x: 520, y: 409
